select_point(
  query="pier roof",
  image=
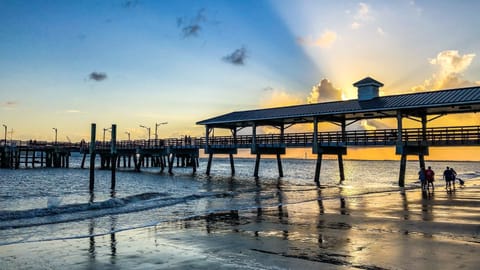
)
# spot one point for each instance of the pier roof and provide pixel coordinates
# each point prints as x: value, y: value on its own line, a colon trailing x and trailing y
x: 460, y: 100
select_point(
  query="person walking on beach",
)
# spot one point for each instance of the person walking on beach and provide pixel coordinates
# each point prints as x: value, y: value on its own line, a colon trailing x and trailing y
x: 430, y: 177
x: 454, y: 176
x: 423, y: 180
x: 447, y: 176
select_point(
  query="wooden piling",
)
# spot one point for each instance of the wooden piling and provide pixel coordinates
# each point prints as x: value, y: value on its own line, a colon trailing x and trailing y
x: 403, y: 166
x: 340, y: 167
x: 92, y: 156
x: 318, y: 167
x: 113, y: 153
x: 209, y: 164
x: 279, y: 163
x: 232, y: 165
x: 257, y: 165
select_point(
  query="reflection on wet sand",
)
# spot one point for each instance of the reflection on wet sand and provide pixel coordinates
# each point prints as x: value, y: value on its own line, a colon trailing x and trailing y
x: 373, y: 231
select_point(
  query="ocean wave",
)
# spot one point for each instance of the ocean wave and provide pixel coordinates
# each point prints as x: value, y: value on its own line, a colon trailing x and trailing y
x: 81, y: 211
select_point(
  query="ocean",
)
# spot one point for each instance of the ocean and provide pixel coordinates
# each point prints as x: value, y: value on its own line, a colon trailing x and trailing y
x: 44, y: 204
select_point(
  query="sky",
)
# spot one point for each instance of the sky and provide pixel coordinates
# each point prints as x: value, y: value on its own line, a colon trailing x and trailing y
x: 67, y: 64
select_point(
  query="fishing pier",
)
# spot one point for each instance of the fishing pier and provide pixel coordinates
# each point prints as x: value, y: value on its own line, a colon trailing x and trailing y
x: 422, y: 107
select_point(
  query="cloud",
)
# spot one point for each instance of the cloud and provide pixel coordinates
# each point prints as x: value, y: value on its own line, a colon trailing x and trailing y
x: 363, y: 13
x: 9, y: 105
x: 191, y: 27
x: 380, y: 31
x: 326, y: 40
x: 130, y: 3
x: 72, y: 111
x: 97, y: 76
x: 450, y: 67
x: 237, y: 57
x: 362, y: 16
x: 324, y: 91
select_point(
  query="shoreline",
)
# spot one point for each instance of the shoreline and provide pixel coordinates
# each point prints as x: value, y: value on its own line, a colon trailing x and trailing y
x: 392, y: 230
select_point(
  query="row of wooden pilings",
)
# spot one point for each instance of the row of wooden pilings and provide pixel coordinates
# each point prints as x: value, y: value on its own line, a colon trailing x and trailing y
x: 111, y: 159
x: 13, y: 157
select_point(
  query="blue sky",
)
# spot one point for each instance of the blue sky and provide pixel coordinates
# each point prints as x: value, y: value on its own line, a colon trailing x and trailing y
x: 66, y: 64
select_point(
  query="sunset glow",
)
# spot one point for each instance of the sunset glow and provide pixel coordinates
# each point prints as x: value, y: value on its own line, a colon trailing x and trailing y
x: 67, y: 64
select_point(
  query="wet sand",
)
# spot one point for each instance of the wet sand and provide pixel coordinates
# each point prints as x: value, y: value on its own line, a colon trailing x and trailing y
x: 393, y: 230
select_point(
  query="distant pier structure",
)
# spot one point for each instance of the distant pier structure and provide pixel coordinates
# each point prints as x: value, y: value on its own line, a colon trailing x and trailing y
x: 422, y: 107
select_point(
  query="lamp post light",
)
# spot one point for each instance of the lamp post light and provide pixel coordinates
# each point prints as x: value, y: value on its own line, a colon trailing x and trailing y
x: 56, y: 131
x: 5, y: 142
x: 156, y: 128
x: 142, y: 126
x: 105, y: 129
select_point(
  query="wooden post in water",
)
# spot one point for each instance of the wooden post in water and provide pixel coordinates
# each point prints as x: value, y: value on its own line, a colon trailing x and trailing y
x: 279, y: 164
x: 113, y: 153
x: 403, y: 166
x: 92, y: 156
x: 257, y: 165
x: 232, y: 164
x: 318, y: 167
x: 209, y: 164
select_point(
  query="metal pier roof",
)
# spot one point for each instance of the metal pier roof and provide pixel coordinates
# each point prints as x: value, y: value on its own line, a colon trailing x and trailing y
x: 460, y: 100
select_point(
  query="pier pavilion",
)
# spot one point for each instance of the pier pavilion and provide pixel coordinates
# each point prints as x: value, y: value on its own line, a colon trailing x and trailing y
x: 421, y: 106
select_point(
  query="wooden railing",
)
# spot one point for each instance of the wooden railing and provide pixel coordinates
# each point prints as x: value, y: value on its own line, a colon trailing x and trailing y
x: 439, y: 136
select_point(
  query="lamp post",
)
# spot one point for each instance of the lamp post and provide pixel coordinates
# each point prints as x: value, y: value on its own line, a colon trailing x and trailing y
x: 142, y: 126
x: 5, y: 142
x: 56, y: 131
x: 128, y: 133
x: 104, y: 129
x: 156, y: 128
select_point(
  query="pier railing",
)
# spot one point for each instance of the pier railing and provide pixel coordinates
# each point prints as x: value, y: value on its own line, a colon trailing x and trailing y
x: 438, y: 136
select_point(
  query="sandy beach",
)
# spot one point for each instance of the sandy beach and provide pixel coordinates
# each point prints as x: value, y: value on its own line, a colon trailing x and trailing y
x: 393, y: 230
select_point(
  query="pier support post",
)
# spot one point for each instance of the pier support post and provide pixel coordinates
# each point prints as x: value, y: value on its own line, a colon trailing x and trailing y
x: 232, y: 165
x: 421, y: 159
x: 403, y: 166
x: 318, y: 166
x: 171, y: 159
x: 279, y: 164
x: 340, y: 167
x: 92, y: 156
x: 113, y: 153
x: 209, y: 164
x: 257, y: 165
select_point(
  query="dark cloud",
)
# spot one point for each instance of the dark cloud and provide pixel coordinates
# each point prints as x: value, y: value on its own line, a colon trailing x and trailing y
x: 97, y: 76
x: 9, y: 105
x: 324, y: 91
x: 130, y: 3
x: 268, y: 89
x: 191, y: 27
x: 237, y: 57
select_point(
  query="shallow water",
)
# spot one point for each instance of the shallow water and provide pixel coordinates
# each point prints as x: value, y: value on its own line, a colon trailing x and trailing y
x: 46, y: 204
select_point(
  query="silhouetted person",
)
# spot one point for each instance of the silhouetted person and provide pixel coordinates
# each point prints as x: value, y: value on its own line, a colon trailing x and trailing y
x: 422, y: 177
x: 454, y: 176
x: 448, y: 177
x: 430, y: 177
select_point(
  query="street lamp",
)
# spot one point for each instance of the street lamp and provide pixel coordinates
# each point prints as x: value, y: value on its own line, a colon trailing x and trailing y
x: 56, y: 130
x: 142, y: 126
x: 5, y: 143
x: 156, y: 128
x: 105, y: 129
x: 128, y: 133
